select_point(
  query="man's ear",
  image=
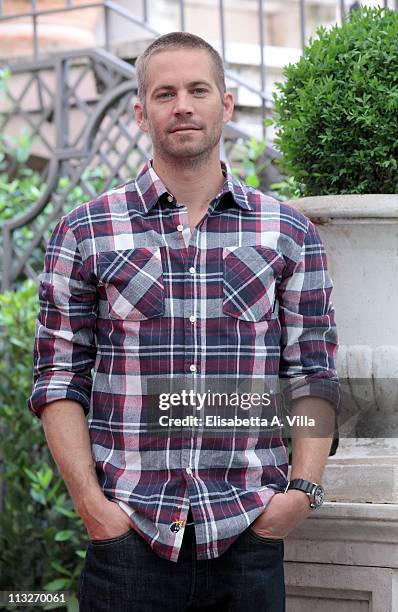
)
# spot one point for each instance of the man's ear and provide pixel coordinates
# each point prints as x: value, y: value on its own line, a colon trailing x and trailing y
x: 140, y: 117
x: 228, y: 106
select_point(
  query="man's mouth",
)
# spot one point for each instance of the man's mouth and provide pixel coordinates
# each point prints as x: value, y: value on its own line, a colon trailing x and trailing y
x: 185, y: 128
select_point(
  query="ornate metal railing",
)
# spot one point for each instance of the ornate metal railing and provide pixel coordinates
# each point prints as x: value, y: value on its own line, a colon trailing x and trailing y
x: 97, y: 144
x: 107, y: 142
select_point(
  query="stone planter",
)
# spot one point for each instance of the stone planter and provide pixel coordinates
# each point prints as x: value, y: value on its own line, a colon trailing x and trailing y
x: 59, y: 31
x: 360, y: 233
x: 342, y: 558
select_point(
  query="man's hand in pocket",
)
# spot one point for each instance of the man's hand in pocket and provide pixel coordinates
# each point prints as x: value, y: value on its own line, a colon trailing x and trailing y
x: 284, y: 512
x: 105, y: 519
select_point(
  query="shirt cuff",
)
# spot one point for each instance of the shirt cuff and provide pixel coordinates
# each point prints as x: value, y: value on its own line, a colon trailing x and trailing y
x: 307, y: 386
x: 49, y: 389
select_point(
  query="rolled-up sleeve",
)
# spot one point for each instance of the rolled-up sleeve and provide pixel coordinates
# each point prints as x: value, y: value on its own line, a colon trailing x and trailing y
x: 309, y: 336
x: 64, y: 348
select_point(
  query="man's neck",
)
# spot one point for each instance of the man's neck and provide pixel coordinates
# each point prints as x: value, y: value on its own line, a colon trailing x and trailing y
x: 195, y: 184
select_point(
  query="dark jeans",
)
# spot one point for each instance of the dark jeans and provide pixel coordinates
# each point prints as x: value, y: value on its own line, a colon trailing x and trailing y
x: 125, y: 575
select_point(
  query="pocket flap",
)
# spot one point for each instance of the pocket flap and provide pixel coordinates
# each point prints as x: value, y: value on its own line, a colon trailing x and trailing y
x: 133, y: 282
x: 250, y: 274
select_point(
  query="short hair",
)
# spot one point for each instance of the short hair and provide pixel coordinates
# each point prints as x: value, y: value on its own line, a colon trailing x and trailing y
x: 172, y: 42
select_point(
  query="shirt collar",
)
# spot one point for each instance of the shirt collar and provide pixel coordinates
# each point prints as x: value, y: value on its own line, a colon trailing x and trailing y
x: 150, y: 187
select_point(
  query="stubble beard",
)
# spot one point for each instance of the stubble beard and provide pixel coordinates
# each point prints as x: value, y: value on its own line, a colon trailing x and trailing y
x: 185, y: 152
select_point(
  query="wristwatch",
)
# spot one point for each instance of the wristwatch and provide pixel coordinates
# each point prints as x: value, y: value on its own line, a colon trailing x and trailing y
x: 315, y: 491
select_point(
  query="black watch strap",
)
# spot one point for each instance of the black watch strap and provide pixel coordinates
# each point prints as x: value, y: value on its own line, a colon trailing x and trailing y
x: 302, y: 485
x: 314, y: 490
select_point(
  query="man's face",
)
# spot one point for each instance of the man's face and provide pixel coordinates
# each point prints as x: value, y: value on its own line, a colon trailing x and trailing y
x: 185, y: 111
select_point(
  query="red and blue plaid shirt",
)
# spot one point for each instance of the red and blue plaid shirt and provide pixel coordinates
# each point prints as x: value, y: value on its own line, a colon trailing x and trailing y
x: 129, y: 296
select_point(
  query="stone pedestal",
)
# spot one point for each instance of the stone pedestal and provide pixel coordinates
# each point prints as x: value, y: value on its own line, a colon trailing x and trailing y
x: 363, y: 470
x: 344, y: 558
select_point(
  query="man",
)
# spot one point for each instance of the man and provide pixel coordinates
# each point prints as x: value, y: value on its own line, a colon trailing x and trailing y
x: 182, y: 274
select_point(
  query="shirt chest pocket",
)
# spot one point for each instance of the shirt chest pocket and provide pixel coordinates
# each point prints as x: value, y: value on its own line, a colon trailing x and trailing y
x: 250, y: 276
x: 133, y: 283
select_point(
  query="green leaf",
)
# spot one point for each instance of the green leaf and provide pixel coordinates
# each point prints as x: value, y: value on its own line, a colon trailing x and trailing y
x: 31, y: 474
x: 53, y: 492
x: 81, y: 553
x: 68, y: 513
x: 60, y: 568
x: 45, y: 477
x: 73, y: 604
x: 57, y: 585
x: 38, y: 496
x: 253, y: 181
x: 62, y: 536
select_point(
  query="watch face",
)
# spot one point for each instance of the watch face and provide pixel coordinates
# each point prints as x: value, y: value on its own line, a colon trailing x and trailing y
x: 319, y: 496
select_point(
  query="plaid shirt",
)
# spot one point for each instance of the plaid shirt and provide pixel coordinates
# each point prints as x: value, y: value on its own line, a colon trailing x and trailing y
x: 129, y: 295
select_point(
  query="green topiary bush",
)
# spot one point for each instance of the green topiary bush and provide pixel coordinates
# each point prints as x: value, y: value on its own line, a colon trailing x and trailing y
x: 336, y: 113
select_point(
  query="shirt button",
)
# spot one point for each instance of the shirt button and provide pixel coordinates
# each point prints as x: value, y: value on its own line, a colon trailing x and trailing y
x: 192, y: 367
x: 170, y: 198
x: 192, y: 270
x: 192, y: 318
x: 174, y: 527
x: 188, y: 471
x: 180, y: 228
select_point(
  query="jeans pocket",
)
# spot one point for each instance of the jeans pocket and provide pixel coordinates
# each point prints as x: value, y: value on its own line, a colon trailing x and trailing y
x: 250, y: 276
x: 133, y: 283
x: 110, y: 541
x: 263, y: 539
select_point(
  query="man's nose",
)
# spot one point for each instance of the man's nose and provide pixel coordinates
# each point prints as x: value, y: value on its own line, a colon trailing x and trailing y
x: 183, y: 104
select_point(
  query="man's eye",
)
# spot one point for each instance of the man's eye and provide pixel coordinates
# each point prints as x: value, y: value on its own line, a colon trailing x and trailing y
x: 165, y: 94
x: 200, y: 90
